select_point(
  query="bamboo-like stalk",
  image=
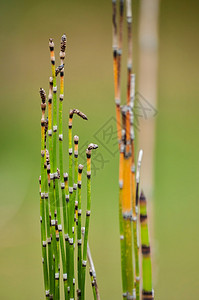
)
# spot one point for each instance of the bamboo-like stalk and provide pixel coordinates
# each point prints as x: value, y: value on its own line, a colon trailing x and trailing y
x: 136, y: 228
x: 127, y: 213
x: 88, y: 212
x: 79, y: 239
x: 48, y: 226
x: 147, y: 290
x: 122, y: 242
x: 61, y: 98
x: 66, y: 227
x: 53, y: 160
x: 72, y: 194
x: 117, y: 53
x: 42, y: 195
x: 115, y: 67
x: 129, y: 149
x: 129, y: 70
x: 71, y: 245
x: 51, y: 187
x: 76, y: 141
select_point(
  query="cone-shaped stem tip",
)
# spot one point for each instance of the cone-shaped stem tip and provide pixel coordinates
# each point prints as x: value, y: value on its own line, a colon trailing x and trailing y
x: 92, y: 146
x: 63, y: 42
x: 142, y: 196
x: 42, y: 95
x: 80, y: 167
x: 76, y: 138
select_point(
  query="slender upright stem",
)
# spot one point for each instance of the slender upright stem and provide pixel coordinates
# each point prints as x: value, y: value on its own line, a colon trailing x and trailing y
x: 48, y: 226
x: 72, y: 194
x: 119, y: 54
x: 147, y: 290
x: 136, y: 227
x: 88, y: 212
x: 66, y: 226
x: 76, y: 141
x: 61, y: 97
x: 53, y: 160
x: 122, y: 242
x: 51, y: 184
x: 127, y: 209
x: 42, y: 195
x: 79, y: 224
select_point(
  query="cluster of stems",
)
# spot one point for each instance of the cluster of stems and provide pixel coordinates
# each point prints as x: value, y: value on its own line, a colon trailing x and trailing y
x: 129, y: 173
x: 60, y: 197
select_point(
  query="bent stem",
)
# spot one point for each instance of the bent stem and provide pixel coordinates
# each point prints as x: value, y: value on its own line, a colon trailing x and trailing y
x: 96, y: 294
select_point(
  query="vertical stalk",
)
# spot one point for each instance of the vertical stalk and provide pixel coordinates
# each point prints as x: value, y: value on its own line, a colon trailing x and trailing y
x: 61, y: 97
x: 48, y: 226
x: 116, y: 69
x: 136, y: 228
x: 71, y: 246
x: 55, y: 72
x: 117, y: 52
x: 88, y: 212
x: 53, y: 160
x: 51, y: 186
x: 71, y: 211
x: 66, y: 226
x: 72, y: 194
x: 42, y: 196
x: 127, y: 209
x: 74, y: 201
x: 147, y: 290
x: 122, y: 242
x: 76, y: 141
x: 79, y: 224
x: 70, y: 148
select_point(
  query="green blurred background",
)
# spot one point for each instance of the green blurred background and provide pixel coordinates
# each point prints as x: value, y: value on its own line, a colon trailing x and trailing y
x: 25, y: 27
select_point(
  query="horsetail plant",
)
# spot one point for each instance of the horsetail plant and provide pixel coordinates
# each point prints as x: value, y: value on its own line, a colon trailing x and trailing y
x: 128, y: 177
x: 58, y: 257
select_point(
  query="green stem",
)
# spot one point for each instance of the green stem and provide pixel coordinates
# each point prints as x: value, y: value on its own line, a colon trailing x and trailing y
x: 147, y: 291
x: 42, y: 197
x: 88, y: 155
x: 79, y: 240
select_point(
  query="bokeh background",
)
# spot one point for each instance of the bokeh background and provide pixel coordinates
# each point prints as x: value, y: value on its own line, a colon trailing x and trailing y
x: 25, y: 27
